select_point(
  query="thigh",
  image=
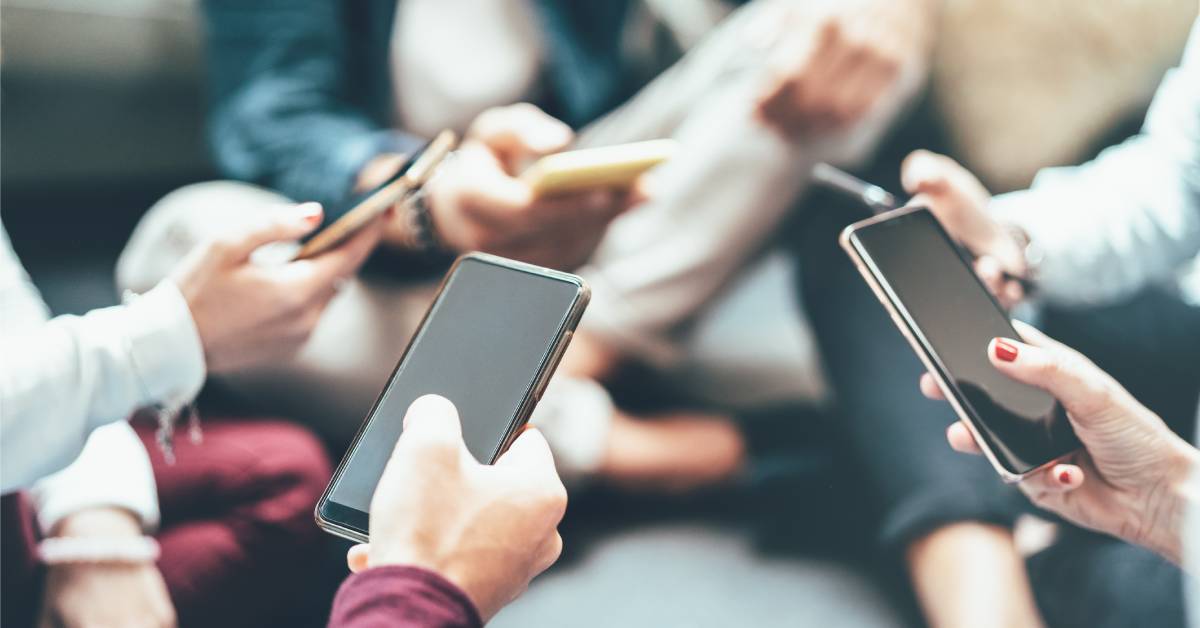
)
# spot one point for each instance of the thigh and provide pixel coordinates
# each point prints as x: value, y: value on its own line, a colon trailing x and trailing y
x: 1149, y: 342
x: 1087, y: 580
x: 897, y: 435
x: 239, y: 547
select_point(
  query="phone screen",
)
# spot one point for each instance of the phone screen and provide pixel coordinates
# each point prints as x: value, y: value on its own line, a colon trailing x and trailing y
x: 484, y: 345
x: 954, y: 317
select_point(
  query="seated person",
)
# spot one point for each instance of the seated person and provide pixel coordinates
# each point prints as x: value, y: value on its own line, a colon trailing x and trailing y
x: 320, y: 99
x: 1114, y: 240
x: 231, y: 514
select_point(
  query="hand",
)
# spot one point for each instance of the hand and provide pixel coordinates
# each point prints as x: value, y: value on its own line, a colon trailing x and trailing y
x: 249, y: 314
x: 488, y: 529
x: 477, y: 202
x: 105, y: 594
x: 960, y: 202
x: 1131, y: 479
x: 831, y: 66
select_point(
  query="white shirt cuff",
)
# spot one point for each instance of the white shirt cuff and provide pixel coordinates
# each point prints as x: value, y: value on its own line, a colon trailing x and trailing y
x: 113, y: 470
x: 165, y: 346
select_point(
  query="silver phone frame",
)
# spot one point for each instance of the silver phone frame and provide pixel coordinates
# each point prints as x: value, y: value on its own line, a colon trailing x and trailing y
x: 900, y: 317
x: 546, y: 369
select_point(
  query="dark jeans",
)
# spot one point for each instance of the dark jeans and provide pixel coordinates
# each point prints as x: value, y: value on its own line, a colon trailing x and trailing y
x: 897, y: 437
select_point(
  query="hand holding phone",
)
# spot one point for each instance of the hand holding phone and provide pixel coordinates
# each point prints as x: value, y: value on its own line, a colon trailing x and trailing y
x: 1135, y: 467
x: 488, y: 528
x: 949, y: 317
x: 489, y: 343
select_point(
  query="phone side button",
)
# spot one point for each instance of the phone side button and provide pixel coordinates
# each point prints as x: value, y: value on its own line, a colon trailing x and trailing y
x: 552, y: 366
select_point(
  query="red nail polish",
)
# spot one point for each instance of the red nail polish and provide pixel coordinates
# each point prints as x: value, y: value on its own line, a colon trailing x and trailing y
x: 1005, y: 350
x: 1064, y: 477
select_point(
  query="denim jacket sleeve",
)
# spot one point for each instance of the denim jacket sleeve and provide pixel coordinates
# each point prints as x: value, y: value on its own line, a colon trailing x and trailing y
x: 283, y: 110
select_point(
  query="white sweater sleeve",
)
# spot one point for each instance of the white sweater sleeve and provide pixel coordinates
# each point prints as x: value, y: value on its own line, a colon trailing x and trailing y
x: 62, y: 378
x: 1131, y: 216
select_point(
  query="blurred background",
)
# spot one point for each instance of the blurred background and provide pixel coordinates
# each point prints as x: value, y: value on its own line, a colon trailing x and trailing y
x: 102, y: 113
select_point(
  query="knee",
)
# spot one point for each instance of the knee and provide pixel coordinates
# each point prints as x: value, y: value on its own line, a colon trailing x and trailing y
x: 293, y: 470
x: 180, y: 220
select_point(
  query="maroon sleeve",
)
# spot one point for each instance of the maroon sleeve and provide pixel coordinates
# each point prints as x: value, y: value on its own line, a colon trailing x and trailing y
x: 402, y: 597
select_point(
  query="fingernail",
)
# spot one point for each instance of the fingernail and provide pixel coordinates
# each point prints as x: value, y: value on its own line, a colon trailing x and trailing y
x: 309, y: 212
x: 1005, y: 350
x: 551, y: 137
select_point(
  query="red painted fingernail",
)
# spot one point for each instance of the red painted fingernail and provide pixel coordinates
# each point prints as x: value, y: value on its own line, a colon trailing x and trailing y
x: 1005, y: 350
x: 1064, y: 477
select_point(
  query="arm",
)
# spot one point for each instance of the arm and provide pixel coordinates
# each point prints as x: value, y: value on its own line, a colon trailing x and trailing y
x: 281, y: 113
x: 111, y: 361
x: 1131, y: 216
x: 404, y: 597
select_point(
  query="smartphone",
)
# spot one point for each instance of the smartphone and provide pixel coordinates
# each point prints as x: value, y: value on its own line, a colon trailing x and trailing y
x: 366, y: 207
x: 591, y: 168
x: 489, y: 343
x: 949, y: 317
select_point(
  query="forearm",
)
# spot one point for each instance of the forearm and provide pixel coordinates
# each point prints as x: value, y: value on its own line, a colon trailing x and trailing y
x: 403, y: 597
x: 1168, y: 525
x: 73, y: 374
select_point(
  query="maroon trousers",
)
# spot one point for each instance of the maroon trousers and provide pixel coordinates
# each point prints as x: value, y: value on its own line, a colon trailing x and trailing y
x: 239, y: 546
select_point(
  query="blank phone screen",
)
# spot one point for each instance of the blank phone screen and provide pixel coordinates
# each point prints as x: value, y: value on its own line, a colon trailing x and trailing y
x: 482, y: 346
x: 954, y: 318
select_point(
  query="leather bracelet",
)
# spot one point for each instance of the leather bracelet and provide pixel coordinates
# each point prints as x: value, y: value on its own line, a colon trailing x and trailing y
x: 69, y: 550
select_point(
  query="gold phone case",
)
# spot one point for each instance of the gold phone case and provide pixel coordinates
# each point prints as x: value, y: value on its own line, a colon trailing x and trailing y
x: 544, y: 373
x: 592, y: 168
x: 383, y: 198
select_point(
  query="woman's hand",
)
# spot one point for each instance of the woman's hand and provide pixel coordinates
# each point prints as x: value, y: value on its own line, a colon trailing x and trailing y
x: 487, y: 528
x: 477, y: 201
x: 247, y: 313
x: 1133, y: 477
x: 105, y: 594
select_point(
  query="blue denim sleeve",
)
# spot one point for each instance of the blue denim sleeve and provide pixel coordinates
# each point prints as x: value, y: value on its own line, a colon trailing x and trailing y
x: 282, y: 112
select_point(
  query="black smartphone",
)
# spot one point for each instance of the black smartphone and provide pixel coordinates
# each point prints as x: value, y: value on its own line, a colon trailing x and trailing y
x: 489, y: 343
x: 949, y: 317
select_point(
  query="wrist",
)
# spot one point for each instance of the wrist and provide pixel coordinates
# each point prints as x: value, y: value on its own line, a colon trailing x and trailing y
x: 1170, y: 504
x: 106, y: 521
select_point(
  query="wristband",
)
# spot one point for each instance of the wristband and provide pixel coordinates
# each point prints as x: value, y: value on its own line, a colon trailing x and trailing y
x: 68, y: 550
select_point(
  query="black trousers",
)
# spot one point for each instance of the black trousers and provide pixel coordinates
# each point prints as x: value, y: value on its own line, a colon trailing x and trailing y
x: 897, y: 437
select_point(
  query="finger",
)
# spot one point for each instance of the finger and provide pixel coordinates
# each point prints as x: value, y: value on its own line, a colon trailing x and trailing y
x: 356, y: 557
x: 521, y: 130
x: 276, y: 225
x: 989, y: 272
x: 1012, y: 293
x: 1035, y: 336
x: 930, y: 388
x: 431, y: 419
x: 961, y: 439
x: 925, y: 172
x: 549, y: 552
x: 1060, y: 478
x: 1068, y: 376
x: 325, y: 271
x: 531, y: 453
